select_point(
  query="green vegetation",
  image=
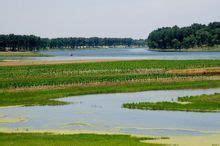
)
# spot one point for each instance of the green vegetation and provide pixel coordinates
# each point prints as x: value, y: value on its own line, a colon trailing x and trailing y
x: 203, y: 103
x: 37, y: 85
x: 215, y: 48
x: 32, y: 139
x: 29, y: 97
x: 82, y: 73
x: 21, y: 54
x: 31, y: 43
x: 196, y: 35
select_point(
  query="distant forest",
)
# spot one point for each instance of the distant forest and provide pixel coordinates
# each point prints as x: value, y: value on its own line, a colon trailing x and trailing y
x: 33, y: 43
x: 196, y: 35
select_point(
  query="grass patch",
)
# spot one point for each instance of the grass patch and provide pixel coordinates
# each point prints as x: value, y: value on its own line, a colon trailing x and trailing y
x: 44, y: 96
x: 38, y: 84
x: 31, y: 139
x: 21, y: 54
x: 203, y: 103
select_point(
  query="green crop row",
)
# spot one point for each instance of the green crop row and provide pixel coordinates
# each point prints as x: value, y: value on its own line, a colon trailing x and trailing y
x: 27, y: 76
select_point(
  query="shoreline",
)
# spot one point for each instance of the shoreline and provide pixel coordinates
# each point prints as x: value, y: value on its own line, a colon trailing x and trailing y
x: 203, y: 140
x: 205, y: 49
x: 14, y: 63
x: 21, y: 54
x: 53, y: 62
x: 210, y: 140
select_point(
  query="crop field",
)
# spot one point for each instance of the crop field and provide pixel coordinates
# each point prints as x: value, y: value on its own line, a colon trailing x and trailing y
x: 36, y: 84
x: 203, y: 103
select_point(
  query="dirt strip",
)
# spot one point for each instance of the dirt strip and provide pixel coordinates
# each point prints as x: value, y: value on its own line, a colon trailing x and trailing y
x: 43, y: 62
x: 199, y: 71
x: 207, y: 140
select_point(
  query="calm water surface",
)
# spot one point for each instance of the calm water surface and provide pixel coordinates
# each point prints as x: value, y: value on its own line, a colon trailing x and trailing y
x: 103, y: 113
x: 120, y: 53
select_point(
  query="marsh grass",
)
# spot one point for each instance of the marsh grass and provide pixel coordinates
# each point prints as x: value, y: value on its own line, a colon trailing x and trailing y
x: 47, y: 139
x: 203, y: 103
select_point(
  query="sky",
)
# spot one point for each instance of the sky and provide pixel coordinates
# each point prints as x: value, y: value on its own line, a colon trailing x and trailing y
x: 102, y: 18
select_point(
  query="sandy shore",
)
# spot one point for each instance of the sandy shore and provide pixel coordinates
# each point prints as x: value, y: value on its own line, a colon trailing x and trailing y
x: 43, y: 62
x: 68, y: 132
x: 208, y: 140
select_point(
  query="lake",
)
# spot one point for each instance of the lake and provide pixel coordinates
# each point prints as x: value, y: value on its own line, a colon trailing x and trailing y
x: 119, y: 54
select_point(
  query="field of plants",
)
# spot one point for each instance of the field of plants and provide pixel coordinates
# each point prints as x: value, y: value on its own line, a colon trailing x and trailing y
x: 36, y: 84
x: 203, y: 103
x: 71, y: 140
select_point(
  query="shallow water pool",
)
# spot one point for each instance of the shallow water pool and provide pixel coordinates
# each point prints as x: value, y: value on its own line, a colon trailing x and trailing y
x: 104, y: 113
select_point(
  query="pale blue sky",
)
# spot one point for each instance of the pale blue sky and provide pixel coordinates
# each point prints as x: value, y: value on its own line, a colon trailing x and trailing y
x: 102, y: 18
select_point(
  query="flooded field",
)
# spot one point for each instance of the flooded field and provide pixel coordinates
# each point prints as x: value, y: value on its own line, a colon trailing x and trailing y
x: 104, y: 113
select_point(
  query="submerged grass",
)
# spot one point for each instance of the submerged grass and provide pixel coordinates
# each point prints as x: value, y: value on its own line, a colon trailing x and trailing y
x: 203, y: 103
x: 31, y: 139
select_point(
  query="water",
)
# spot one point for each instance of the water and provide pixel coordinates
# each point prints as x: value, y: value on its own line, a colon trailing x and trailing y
x: 120, y: 53
x: 104, y: 113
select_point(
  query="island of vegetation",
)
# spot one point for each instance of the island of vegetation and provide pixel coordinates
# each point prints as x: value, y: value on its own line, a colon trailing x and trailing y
x: 203, y: 103
x: 196, y: 36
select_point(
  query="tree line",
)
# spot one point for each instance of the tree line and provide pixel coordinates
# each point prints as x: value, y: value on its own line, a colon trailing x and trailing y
x: 13, y: 42
x: 196, y: 35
